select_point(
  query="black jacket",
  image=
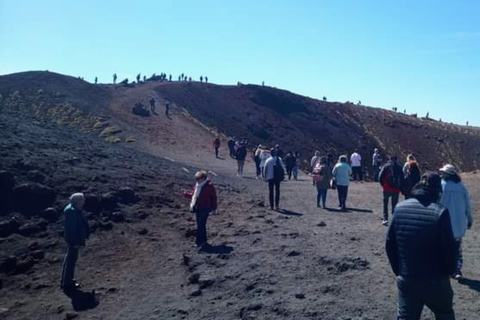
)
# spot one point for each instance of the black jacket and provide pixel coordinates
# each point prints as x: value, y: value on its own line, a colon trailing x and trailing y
x: 77, y: 230
x: 241, y: 153
x: 420, y: 241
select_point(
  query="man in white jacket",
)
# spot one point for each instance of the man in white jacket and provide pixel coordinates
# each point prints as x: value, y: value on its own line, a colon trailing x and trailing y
x: 356, y: 164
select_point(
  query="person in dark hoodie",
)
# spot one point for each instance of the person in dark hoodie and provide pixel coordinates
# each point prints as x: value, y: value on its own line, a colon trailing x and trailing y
x: 391, y: 179
x: 76, y: 233
x: 422, y: 252
x: 203, y: 204
x: 290, y: 163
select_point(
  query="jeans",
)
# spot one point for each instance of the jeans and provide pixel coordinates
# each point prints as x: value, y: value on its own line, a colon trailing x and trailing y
x: 276, y: 184
x: 68, y: 272
x: 295, y: 172
x: 342, y: 196
x: 289, y: 173
x: 241, y: 164
x: 414, y: 294
x: 460, y: 256
x: 357, y: 173
x: 375, y: 172
x: 321, y: 195
x: 201, y: 217
x: 257, y: 166
x: 386, y: 196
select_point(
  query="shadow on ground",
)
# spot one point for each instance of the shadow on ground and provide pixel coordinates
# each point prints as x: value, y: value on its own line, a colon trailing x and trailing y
x: 220, y: 249
x: 472, y: 284
x: 82, y: 300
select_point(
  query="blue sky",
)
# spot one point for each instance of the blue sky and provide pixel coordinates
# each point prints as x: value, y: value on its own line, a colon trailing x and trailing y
x: 422, y: 56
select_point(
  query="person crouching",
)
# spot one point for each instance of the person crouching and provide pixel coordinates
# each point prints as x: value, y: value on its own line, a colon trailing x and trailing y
x: 77, y: 232
x: 203, y: 203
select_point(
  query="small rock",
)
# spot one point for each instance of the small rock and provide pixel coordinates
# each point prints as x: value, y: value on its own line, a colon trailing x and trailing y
x: 29, y: 228
x: 50, y: 214
x: 196, y: 293
x: 142, y: 231
x: 24, y: 265
x: 203, y: 284
x: 112, y: 290
x: 293, y: 253
x: 35, y: 176
x: 321, y: 224
x: 38, y: 254
x: 118, y: 217
x: 142, y: 215
x: 127, y: 195
x: 109, y: 201
x: 60, y: 309
x: 106, y: 226
x: 71, y: 315
x: 8, y: 227
x: 300, y: 296
x: 193, y: 278
x: 255, y: 307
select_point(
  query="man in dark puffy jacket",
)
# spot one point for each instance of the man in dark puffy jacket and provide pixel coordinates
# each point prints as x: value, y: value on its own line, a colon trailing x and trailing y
x: 391, y: 179
x: 422, y: 252
x: 76, y: 233
x: 240, y: 155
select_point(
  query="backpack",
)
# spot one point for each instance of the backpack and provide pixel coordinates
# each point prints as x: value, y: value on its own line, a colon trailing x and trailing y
x: 278, y: 172
x: 317, y: 175
x: 394, y: 180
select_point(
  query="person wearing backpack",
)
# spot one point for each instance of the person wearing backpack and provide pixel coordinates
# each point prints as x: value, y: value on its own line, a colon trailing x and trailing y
x: 241, y: 155
x: 274, y: 175
x: 391, y: 179
x: 412, y: 176
x: 341, y: 177
x: 322, y: 182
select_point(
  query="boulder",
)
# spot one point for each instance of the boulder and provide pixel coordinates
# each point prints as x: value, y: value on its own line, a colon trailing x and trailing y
x: 35, y: 176
x: 109, y: 201
x: 31, y: 228
x: 38, y: 254
x: 50, y: 214
x: 92, y: 203
x: 24, y: 265
x: 106, y: 226
x: 8, y: 227
x: 118, y: 217
x: 32, y: 198
x: 8, y: 264
x: 127, y: 195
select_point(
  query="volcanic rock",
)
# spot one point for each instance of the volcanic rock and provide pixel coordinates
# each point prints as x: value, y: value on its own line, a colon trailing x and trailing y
x: 50, y: 214
x: 8, y: 227
x: 31, y: 198
x: 118, y: 217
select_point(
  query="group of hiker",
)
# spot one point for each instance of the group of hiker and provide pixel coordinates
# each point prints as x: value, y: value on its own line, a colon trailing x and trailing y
x: 140, y: 109
x: 162, y: 77
x: 424, y: 239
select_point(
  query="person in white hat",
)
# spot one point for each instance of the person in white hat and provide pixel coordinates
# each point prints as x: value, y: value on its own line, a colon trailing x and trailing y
x: 457, y: 200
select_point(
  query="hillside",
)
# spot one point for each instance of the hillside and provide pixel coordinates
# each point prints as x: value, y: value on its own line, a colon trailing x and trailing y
x: 259, y: 114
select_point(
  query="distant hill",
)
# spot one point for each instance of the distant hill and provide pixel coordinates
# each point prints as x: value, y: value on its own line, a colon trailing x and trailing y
x: 259, y: 114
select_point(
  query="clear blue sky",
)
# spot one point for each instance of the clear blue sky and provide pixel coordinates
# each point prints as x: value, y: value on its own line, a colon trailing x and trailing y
x: 419, y: 55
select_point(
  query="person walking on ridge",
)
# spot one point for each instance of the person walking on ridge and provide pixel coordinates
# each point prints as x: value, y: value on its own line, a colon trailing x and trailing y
x: 76, y: 234
x: 114, y: 78
x: 341, y: 175
x: 274, y: 175
x: 257, y: 160
x: 391, y: 180
x: 152, y: 105
x: 457, y: 200
x: 290, y: 163
x: 216, y: 145
x: 376, y: 163
x: 422, y: 252
x: 241, y: 155
x: 322, y: 182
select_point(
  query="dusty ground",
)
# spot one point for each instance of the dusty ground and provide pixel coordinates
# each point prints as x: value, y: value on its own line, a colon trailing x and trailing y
x: 300, y: 263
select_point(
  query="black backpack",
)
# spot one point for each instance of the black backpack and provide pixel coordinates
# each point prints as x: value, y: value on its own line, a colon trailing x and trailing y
x: 278, y: 172
x: 394, y: 179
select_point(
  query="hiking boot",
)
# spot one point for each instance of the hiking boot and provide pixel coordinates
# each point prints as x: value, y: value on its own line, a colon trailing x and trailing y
x: 458, y: 276
x: 385, y: 222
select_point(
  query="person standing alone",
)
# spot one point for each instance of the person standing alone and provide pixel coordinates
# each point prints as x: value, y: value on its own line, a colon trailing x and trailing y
x: 356, y: 163
x: 216, y: 145
x: 76, y: 233
x: 422, y: 252
x: 274, y: 175
x: 457, y: 200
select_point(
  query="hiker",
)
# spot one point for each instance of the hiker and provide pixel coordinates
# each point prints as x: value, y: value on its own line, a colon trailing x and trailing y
x: 257, y: 160
x: 314, y: 160
x: 76, y: 233
x: 167, y: 109
x: 274, y: 175
x: 201, y: 79
x: 231, y: 145
x: 279, y: 151
x: 138, y: 78
x: 241, y: 155
x: 114, y: 78
x: 322, y: 181
x: 264, y: 155
x: 203, y: 204
x: 356, y: 163
x: 391, y: 179
x: 411, y: 176
x: 457, y: 200
x: 96, y: 80
x: 422, y: 252
x: 216, y: 145
x: 290, y: 163
x: 206, y: 79
x: 295, y: 168
x: 376, y: 163
x: 152, y: 104
x: 341, y: 177
x: 330, y: 160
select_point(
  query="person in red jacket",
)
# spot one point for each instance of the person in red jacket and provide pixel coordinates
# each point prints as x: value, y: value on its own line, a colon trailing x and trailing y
x: 203, y: 203
x: 391, y: 179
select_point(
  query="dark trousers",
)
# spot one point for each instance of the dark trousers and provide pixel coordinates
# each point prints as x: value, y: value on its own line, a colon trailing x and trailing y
x: 216, y: 152
x: 414, y: 294
x: 342, y: 196
x: 289, y: 173
x: 230, y: 148
x: 201, y: 217
x: 241, y: 164
x: 68, y: 272
x: 257, y: 166
x: 375, y: 172
x: 357, y: 173
x: 386, y: 196
x: 276, y: 184
x: 321, y: 195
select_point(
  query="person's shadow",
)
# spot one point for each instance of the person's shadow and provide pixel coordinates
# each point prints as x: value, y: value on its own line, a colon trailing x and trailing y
x: 472, y: 284
x: 289, y: 213
x: 82, y: 300
x: 220, y: 249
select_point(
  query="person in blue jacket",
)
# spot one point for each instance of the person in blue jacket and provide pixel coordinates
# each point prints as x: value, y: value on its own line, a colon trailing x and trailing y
x: 77, y: 232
